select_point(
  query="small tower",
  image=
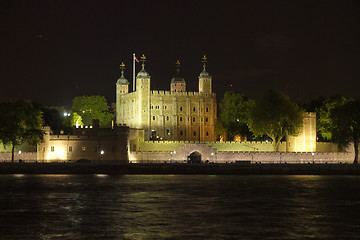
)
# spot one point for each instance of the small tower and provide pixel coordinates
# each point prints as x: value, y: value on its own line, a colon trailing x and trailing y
x: 204, y: 79
x: 178, y: 83
x: 122, y: 84
x: 143, y: 99
x: 122, y: 88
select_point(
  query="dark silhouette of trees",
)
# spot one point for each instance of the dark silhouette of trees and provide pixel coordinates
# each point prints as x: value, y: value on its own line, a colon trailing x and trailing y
x: 345, y: 125
x: 20, y: 122
x: 234, y: 114
x: 276, y: 116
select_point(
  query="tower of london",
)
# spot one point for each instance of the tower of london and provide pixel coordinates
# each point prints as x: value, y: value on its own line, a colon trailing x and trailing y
x: 175, y: 115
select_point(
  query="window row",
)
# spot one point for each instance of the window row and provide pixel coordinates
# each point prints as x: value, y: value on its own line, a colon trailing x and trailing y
x: 157, y: 107
x: 83, y: 149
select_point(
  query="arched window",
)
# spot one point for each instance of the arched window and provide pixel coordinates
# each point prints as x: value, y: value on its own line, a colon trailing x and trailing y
x: 167, y: 131
x: 167, y: 118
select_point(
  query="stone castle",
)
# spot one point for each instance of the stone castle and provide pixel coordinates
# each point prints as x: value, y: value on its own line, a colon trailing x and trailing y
x: 176, y: 126
x: 175, y: 115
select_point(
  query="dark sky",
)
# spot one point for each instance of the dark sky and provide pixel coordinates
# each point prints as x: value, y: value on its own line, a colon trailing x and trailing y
x: 51, y: 51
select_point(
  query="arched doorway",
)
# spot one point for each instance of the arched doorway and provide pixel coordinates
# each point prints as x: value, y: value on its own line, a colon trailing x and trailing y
x: 194, y: 157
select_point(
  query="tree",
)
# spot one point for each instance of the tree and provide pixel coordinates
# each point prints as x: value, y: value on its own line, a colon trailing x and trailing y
x: 20, y: 122
x: 345, y: 125
x: 92, y: 107
x: 54, y: 117
x: 276, y: 116
x: 324, y: 119
x: 234, y: 113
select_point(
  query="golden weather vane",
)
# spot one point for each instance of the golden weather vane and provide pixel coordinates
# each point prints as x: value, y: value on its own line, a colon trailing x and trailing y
x: 204, y: 60
x: 122, y: 66
x: 143, y: 59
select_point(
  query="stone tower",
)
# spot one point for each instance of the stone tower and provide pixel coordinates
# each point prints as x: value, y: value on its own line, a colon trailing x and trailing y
x: 143, y: 99
x: 178, y: 83
x: 204, y: 79
x: 122, y: 88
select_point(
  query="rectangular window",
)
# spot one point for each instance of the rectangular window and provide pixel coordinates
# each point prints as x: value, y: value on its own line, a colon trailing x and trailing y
x: 154, y: 118
x: 193, y: 119
x: 194, y: 133
x: 194, y: 109
x: 52, y: 148
x: 181, y: 133
x: 207, y: 109
x: 83, y: 148
x: 206, y: 120
x: 207, y: 133
x: 70, y: 148
x: 180, y: 119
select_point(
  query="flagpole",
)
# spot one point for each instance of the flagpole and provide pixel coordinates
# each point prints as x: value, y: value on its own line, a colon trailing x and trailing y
x: 133, y: 72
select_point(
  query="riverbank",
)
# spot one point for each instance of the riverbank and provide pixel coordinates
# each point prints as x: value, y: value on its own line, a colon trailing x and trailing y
x: 205, y: 169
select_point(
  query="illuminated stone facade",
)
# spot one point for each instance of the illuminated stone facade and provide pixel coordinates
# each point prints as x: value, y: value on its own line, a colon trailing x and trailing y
x: 92, y: 144
x: 305, y: 141
x: 175, y: 115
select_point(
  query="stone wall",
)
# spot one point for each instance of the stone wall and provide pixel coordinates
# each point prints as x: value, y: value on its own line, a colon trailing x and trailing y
x: 24, y: 156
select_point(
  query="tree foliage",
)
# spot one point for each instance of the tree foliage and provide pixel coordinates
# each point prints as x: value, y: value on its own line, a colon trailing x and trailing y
x: 276, y: 116
x: 92, y: 107
x: 20, y: 122
x: 234, y: 113
x: 324, y: 119
x: 345, y: 125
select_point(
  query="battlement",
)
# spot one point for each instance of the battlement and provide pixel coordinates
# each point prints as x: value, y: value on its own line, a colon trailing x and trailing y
x: 162, y: 93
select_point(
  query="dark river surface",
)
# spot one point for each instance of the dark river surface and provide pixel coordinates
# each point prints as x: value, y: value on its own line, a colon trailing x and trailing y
x: 179, y: 207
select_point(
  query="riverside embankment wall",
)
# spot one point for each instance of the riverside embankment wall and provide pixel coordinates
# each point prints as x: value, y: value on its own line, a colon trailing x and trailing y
x: 208, y: 169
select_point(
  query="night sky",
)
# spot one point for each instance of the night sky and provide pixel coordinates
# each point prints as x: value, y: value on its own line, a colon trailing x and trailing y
x: 52, y: 51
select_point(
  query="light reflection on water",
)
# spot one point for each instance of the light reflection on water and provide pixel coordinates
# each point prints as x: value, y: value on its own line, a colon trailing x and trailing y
x: 179, y: 207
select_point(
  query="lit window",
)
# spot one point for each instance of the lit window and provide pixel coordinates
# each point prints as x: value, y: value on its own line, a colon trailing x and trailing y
x: 83, y: 148
x: 52, y: 148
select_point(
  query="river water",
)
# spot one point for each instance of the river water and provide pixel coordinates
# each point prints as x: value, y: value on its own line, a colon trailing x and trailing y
x: 179, y: 207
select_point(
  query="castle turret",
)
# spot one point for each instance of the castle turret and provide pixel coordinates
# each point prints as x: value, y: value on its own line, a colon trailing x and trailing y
x: 122, y: 84
x: 143, y: 99
x: 205, y: 79
x: 178, y: 83
x: 122, y: 88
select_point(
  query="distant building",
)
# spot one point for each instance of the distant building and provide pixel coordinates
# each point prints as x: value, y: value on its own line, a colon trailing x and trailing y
x: 175, y: 115
x: 89, y: 144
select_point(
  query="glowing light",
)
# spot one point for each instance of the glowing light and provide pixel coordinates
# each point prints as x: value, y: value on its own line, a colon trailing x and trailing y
x: 101, y: 175
x: 19, y: 151
x: 19, y: 175
x: 102, y: 152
